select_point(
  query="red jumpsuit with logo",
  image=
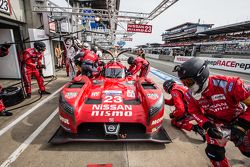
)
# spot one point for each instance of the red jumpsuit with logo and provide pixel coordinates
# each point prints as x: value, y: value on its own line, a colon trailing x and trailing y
x: 89, y: 62
x: 31, y: 59
x: 181, y: 116
x: 220, y: 104
x: 140, y: 64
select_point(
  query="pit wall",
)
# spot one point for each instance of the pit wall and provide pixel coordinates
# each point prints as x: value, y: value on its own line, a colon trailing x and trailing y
x: 241, y: 65
x: 228, y: 64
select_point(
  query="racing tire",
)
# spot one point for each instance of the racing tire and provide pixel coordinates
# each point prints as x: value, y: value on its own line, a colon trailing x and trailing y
x: 12, y: 96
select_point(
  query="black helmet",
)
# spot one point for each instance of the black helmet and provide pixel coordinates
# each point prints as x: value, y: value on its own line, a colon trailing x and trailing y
x: 40, y: 46
x: 168, y: 84
x: 192, y: 71
x: 131, y: 60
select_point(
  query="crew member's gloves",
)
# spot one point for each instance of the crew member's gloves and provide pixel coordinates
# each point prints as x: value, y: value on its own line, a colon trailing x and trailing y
x: 212, y: 130
x: 171, y: 115
x: 238, y: 131
x: 40, y: 66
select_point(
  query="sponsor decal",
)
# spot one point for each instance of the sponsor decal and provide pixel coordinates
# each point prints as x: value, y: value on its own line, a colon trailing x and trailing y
x: 228, y: 63
x: 114, y: 110
x: 111, y: 107
x: 130, y: 93
x: 64, y: 120
x: 111, y: 113
x: 216, y: 107
x: 112, y: 92
x: 154, y: 122
x: 152, y: 96
x: 71, y: 95
x: 218, y: 97
x: 95, y: 94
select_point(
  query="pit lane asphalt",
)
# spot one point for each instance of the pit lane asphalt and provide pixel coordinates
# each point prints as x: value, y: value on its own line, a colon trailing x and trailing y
x: 186, y: 149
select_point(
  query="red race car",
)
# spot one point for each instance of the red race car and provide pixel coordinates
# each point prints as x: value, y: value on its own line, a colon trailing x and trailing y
x: 111, y: 107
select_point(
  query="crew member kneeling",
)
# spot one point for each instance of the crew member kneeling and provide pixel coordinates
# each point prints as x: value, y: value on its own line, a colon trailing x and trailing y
x: 180, y: 116
x: 32, y: 64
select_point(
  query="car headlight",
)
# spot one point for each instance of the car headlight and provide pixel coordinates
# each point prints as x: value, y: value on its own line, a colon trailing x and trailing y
x: 155, y: 108
x: 65, y: 106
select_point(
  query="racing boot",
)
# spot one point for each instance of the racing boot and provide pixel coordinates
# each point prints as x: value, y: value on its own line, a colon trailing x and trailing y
x: 200, y: 131
x: 44, y: 92
x: 5, y: 113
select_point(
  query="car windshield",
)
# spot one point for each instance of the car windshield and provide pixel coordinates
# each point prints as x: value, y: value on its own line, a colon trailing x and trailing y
x: 115, y: 73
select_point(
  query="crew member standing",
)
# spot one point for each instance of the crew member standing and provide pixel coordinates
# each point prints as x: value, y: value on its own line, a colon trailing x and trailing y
x: 138, y: 64
x: 32, y: 64
x: 180, y: 116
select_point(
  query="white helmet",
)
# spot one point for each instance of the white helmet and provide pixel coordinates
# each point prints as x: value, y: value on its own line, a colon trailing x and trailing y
x: 86, y: 45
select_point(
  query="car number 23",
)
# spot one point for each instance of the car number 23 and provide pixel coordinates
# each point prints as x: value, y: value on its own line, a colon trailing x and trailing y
x: 112, y: 99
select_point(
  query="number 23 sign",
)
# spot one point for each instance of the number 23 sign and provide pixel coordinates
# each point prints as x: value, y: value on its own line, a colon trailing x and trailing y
x: 5, y: 6
x: 143, y: 28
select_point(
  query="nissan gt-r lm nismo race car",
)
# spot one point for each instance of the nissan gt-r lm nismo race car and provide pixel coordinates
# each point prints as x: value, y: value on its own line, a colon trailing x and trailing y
x: 111, y: 107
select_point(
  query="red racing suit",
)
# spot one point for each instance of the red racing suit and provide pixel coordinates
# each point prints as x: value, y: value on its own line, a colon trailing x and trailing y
x: 2, y: 107
x: 89, y: 62
x: 181, y: 116
x: 220, y: 104
x: 140, y: 64
x: 31, y: 58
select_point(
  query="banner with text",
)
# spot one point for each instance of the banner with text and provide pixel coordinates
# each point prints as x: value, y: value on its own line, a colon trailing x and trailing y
x: 229, y: 64
x: 144, y: 28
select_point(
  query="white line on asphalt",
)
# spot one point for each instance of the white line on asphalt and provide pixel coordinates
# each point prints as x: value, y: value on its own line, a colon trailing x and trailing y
x: 5, y: 129
x: 27, y: 142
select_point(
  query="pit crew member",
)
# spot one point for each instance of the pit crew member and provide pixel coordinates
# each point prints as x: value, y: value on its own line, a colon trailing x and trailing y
x: 87, y: 60
x: 137, y: 64
x: 180, y: 116
x: 215, y: 104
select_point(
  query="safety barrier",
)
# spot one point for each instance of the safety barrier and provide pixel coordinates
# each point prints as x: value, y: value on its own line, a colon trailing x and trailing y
x: 228, y: 64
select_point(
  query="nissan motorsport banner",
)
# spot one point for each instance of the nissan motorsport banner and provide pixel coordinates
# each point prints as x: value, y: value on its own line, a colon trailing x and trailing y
x: 237, y: 65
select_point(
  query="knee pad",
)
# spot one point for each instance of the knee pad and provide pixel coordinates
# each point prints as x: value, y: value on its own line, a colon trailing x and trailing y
x: 215, y: 153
